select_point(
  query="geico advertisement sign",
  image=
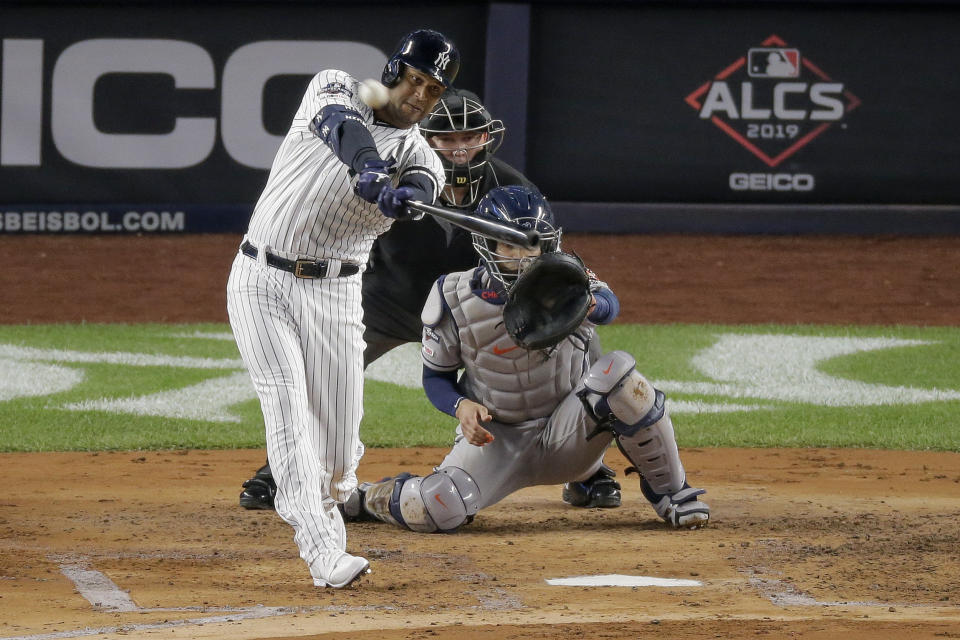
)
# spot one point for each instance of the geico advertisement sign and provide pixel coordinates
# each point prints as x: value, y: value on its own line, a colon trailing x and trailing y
x: 773, y: 101
x: 78, y: 68
x: 771, y: 182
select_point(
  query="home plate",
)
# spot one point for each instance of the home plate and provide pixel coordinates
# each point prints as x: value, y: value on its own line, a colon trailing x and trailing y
x: 616, y: 580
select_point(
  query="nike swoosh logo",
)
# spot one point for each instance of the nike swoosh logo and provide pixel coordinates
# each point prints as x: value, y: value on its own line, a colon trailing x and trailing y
x: 607, y: 370
x: 497, y: 350
x: 436, y: 496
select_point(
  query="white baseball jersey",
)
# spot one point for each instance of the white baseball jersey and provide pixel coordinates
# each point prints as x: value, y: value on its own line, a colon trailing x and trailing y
x: 302, y: 339
x: 308, y: 206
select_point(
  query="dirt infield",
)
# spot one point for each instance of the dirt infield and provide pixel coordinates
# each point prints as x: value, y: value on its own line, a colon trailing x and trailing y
x: 810, y: 543
x: 805, y: 543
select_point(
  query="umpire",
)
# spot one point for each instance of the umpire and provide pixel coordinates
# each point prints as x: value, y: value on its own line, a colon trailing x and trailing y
x: 406, y: 261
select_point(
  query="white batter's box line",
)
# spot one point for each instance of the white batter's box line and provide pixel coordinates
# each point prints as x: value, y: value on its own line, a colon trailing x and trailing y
x: 495, y: 599
x: 785, y: 594
x: 96, y: 588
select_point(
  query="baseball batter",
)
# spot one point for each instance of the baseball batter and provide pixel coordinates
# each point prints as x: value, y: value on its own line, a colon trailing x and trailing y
x: 342, y: 175
x: 407, y: 259
x: 526, y: 418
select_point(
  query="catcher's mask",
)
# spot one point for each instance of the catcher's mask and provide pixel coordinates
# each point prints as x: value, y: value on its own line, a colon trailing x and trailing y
x: 459, y: 110
x: 521, y: 208
x: 425, y: 50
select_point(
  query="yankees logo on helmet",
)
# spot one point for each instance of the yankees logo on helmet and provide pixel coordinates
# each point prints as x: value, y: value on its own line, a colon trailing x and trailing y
x: 427, y: 51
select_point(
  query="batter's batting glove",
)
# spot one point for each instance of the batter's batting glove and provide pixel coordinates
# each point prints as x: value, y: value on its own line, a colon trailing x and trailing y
x: 374, y: 178
x: 393, y: 202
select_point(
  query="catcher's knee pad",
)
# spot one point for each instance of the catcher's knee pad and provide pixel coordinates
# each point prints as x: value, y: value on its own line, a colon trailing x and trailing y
x: 441, y: 501
x: 620, y: 399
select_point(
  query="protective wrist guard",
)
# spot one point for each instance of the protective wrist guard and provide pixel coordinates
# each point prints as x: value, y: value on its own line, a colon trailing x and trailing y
x: 330, y: 124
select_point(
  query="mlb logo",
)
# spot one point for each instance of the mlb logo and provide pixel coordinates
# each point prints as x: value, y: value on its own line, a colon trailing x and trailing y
x: 335, y: 87
x: 773, y: 62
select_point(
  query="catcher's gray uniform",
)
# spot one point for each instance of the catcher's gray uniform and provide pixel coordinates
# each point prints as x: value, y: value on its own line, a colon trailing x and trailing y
x: 539, y: 425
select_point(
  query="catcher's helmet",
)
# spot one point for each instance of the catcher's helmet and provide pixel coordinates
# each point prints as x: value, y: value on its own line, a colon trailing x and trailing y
x: 521, y: 208
x: 427, y: 51
x: 459, y: 110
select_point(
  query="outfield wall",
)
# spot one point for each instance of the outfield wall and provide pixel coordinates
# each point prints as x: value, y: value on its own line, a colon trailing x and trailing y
x: 701, y: 117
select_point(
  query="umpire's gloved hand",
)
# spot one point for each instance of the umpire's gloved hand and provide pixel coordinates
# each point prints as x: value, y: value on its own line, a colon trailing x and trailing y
x: 393, y: 202
x: 372, y: 180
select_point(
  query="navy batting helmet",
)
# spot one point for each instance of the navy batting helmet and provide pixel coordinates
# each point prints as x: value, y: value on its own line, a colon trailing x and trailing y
x: 460, y: 111
x: 522, y: 208
x: 427, y: 51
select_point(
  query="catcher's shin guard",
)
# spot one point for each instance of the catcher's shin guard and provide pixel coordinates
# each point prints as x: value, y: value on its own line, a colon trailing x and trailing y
x: 441, y: 501
x: 621, y: 400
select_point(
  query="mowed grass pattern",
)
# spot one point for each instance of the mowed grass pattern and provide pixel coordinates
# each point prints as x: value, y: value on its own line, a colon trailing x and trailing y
x: 711, y: 411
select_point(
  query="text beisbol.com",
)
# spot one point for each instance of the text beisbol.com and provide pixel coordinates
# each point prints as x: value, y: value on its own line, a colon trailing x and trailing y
x: 91, y: 221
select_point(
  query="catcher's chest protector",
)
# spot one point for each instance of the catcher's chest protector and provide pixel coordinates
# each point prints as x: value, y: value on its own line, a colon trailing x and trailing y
x: 514, y: 384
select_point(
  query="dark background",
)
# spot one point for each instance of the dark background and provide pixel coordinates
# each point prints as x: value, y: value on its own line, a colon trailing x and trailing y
x: 609, y: 124
x: 592, y: 95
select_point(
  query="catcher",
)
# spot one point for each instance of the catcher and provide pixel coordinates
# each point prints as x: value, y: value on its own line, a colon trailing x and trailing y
x: 533, y: 408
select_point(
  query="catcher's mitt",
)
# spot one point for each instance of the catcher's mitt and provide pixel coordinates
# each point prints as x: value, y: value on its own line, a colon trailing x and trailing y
x: 548, y: 301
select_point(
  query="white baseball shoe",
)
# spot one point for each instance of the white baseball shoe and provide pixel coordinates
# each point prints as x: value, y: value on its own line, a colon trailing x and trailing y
x: 347, y: 569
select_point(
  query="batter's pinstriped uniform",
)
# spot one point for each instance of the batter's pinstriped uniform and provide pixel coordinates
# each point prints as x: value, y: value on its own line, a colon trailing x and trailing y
x: 301, y: 339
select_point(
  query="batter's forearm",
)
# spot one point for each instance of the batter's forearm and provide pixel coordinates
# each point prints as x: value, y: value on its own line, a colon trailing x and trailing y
x: 343, y: 130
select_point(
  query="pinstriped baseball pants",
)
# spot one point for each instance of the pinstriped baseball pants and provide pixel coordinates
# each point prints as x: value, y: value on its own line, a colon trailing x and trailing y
x: 302, y: 343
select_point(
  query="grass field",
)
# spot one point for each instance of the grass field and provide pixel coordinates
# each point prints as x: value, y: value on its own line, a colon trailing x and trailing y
x: 152, y: 386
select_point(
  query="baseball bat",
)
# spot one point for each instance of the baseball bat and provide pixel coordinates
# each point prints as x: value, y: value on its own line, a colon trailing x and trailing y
x: 501, y: 232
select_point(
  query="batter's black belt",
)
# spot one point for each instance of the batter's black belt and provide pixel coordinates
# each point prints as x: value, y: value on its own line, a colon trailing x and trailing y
x: 302, y: 268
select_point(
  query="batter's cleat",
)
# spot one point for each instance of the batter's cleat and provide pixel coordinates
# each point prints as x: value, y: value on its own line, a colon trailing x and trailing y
x: 260, y: 490
x: 598, y: 491
x: 347, y: 570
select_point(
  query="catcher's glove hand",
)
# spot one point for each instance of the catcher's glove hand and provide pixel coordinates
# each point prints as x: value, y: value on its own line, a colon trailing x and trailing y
x: 548, y: 301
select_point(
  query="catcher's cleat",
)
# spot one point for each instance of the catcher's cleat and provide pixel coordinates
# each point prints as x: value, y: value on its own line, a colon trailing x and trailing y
x: 598, y: 491
x: 353, y: 510
x: 259, y: 491
x: 682, y: 510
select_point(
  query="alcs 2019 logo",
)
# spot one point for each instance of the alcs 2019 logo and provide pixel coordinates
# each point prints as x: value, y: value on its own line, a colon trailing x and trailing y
x: 773, y: 101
